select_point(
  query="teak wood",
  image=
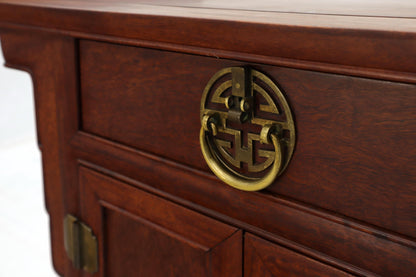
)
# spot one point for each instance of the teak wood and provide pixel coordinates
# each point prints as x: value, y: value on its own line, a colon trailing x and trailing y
x: 118, y: 87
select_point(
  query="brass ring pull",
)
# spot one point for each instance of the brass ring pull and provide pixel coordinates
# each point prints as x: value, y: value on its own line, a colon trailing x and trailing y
x: 231, y: 113
x: 234, y: 180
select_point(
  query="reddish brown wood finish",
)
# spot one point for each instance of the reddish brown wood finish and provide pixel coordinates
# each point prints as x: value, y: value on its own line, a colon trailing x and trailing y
x: 263, y: 258
x: 383, y: 47
x: 143, y: 235
x: 336, y: 240
x: 50, y: 59
x: 394, y: 9
x: 356, y: 137
x: 120, y: 149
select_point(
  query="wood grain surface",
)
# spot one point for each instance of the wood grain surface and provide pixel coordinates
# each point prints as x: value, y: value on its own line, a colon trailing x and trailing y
x: 117, y: 91
x: 338, y: 241
x: 143, y: 235
x: 50, y: 60
x: 356, y: 137
x: 263, y: 258
x: 381, y: 45
x: 381, y: 8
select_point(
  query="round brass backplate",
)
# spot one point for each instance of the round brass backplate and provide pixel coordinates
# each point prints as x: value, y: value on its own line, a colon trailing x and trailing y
x: 248, y: 133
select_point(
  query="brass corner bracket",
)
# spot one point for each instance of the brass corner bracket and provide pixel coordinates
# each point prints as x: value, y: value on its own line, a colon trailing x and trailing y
x: 80, y: 244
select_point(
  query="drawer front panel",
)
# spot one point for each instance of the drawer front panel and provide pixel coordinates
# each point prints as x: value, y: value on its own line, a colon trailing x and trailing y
x: 146, y: 99
x: 356, y: 142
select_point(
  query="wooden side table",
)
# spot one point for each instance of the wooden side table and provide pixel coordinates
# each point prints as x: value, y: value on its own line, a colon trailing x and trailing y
x: 308, y: 116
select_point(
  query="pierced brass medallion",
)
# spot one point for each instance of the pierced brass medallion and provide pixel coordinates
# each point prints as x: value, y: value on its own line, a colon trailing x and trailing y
x: 248, y: 133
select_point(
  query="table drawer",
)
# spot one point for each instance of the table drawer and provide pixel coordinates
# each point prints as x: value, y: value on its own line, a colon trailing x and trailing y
x: 356, y: 142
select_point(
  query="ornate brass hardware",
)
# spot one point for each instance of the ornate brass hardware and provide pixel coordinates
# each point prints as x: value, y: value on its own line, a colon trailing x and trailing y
x: 248, y: 133
x: 80, y: 244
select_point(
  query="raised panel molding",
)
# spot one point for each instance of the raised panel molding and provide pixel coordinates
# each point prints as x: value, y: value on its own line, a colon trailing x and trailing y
x: 142, y: 235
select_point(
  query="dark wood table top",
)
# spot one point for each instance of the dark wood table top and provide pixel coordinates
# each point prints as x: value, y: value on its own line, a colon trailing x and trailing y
x: 363, y: 38
x: 367, y: 14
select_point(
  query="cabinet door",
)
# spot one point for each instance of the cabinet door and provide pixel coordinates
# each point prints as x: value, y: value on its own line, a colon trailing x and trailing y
x: 264, y: 258
x: 141, y: 234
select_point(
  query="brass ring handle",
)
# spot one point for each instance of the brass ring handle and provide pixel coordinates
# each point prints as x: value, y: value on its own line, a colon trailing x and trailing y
x: 236, y: 103
x: 239, y: 182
